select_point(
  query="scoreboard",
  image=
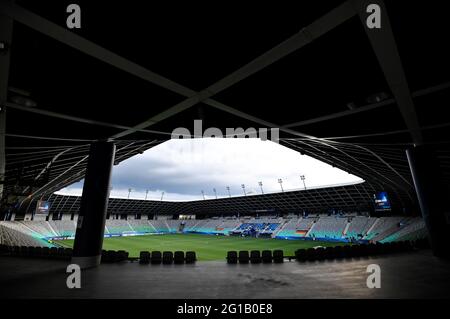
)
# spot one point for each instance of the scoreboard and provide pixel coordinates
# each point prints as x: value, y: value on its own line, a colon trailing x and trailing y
x: 381, y: 202
x: 42, y: 207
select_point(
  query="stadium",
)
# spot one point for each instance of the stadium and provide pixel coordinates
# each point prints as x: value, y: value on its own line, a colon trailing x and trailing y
x: 79, y: 100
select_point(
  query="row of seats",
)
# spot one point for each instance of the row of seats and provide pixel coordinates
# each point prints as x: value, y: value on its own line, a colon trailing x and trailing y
x: 37, y: 252
x: 16, y: 234
x: 255, y: 257
x: 347, y: 251
x: 57, y: 253
x: 113, y: 256
x: 167, y: 257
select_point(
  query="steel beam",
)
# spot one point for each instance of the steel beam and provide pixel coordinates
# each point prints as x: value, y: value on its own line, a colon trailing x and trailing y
x: 385, y: 48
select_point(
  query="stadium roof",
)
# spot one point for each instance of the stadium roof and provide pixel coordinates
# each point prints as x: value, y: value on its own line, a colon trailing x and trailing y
x: 132, y: 74
x: 356, y: 197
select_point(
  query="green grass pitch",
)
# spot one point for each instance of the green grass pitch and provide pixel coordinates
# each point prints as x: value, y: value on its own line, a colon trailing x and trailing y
x: 207, y: 247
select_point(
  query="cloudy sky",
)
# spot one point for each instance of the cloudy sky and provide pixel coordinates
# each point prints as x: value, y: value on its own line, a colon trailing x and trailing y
x: 183, y: 168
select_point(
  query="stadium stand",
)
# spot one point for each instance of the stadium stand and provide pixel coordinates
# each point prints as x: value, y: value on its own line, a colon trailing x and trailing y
x: 118, y: 226
x: 382, y: 225
x: 160, y: 226
x: 211, y: 226
x: 331, y: 228
x: 141, y: 226
x: 189, y: 224
x: 63, y: 228
x: 227, y: 225
x: 295, y: 228
x: 359, y: 226
x: 257, y: 227
x: 40, y: 227
x: 173, y: 225
x: 412, y: 230
x: 10, y: 235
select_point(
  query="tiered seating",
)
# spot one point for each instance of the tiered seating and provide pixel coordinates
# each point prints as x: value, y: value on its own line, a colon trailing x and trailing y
x: 189, y: 224
x: 118, y: 226
x: 174, y: 225
x: 245, y: 226
x: 64, y: 228
x: 412, y: 230
x: 228, y: 225
x: 382, y: 225
x: 192, y: 226
x: 141, y: 226
x: 13, y: 237
x: 295, y: 228
x: 40, y: 227
x: 21, y: 228
x: 384, y: 229
x: 160, y: 225
x: 210, y: 226
x: 214, y: 226
x: 359, y: 226
x: 257, y: 227
x: 329, y: 228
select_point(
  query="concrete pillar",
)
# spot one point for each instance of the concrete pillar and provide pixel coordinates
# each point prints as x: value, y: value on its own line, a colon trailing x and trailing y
x: 94, y: 203
x: 432, y: 194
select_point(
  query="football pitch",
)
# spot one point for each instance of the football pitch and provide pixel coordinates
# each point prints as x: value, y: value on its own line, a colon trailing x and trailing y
x: 207, y: 247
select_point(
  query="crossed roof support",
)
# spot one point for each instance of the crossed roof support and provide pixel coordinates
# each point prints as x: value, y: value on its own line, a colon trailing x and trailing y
x: 382, y: 42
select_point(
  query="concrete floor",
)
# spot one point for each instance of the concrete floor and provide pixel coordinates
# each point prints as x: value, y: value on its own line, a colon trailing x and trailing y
x: 409, y: 275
